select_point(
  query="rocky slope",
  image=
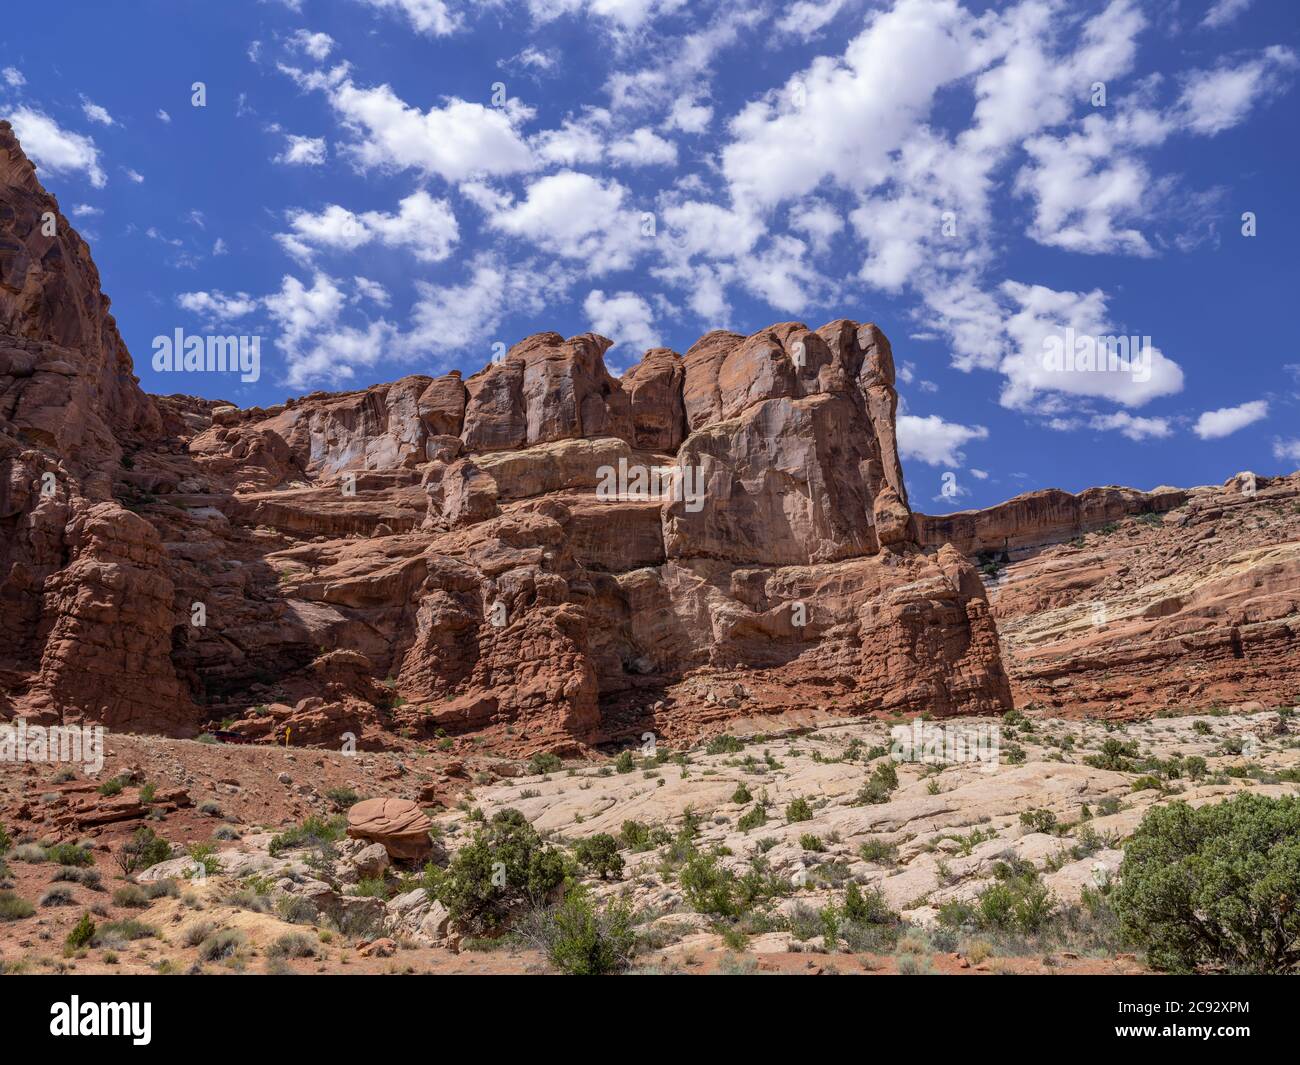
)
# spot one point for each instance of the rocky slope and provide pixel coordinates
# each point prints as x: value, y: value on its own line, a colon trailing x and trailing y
x: 440, y: 555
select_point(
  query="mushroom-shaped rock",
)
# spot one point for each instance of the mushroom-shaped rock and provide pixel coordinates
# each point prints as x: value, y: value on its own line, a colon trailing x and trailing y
x: 398, y: 824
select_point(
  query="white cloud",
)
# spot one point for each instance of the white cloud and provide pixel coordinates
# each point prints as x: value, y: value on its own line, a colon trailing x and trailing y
x: 1225, y: 421
x: 1132, y: 427
x: 425, y: 226
x: 643, y: 147
x: 456, y: 141
x: 688, y: 115
x: 13, y: 77
x: 372, y: 291
x: 96, y: 113
x: 807, y: 18
x: 133, y: 175
x: 1044, y: 318
x: 818, y: 219
x: 219, y: 247
x: 934, y: 441
x: 575, y: 142
x: 302, y: 151
x: 1286, y: 450
x: 85, y: 210
x: 316, y: 45
x: 1215, y: 100
x: 1224, y: 11
x: 216, y: 306
x: 624, y: 317
x: 163, y: 116
x: 57, y: 150
x: 576, y: 216
x: 430, y: 17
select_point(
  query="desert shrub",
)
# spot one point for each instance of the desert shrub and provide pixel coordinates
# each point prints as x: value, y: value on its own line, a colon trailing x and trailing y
x: 131, y: 896
x: 69, y: 854
x: 1019, y: 901
x: 624, y: 763
x: 342, y: 798
x: 197, y: 933
x: 33, y: 853
x: 112, y: 786
x: 292, y: 945
x: 636, y: 836
x: 543, y: 763
x: 809, y: 842
x: 756, y: 817
x: 868, y: 907
x: 221, y: 945
x: 5, y: 840
x: 91, y: 878
x: 1039, y: 821
x: 882, y: 783
x: 708, y: 886
x: 878, y: 851
x: 114, y: 933
x: 1215, y: 887
x: 206, y: 856
x: 741, y: 795
x: 797, y: 811
x: 13, y: 908
x: 296, y: 910
x: 504, y: 866
x: 318, y: 832
x: 724, y: 744
x: 581, y: 940
x: 599, y: 854
x: 82, y: 933
x: 1115, y: 755
x: 143, y: 850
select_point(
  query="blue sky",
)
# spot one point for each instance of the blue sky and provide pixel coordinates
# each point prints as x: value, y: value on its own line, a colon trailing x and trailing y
x: 382, y: 187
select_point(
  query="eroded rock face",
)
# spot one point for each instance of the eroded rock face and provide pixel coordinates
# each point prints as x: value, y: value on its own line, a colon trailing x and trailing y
x: 541, y: 553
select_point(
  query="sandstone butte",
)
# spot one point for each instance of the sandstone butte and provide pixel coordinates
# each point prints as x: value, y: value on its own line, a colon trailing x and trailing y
x: 431, y: 557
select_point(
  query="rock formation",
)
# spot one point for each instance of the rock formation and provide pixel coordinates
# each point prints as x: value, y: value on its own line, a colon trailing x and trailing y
x: 543, y: 553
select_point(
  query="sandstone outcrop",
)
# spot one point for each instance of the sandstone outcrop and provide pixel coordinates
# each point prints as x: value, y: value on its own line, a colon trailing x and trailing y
x: 541, y: 552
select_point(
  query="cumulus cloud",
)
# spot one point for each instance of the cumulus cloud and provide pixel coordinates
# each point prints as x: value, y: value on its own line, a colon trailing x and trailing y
x: 575, y: 216
x: 624, y: 317
x: 456, y: 141
x: 934, y: 441
x: 55, y: 149
x: 216, y: 306
x: 433, y: 18
x: 1214, y: 424
x: 1131, y: 426
x: 423, y: 225
x: 302, y: 151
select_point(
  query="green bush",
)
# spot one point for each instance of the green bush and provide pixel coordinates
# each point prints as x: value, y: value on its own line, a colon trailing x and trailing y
x: 625, y: 763
x: 882, y: 783
x: 724, y: 744
x: 868, y: 908
x: 709, y: 888
x: 504, y: 867
x: 81, y: 934
x: 584, y: 941
x: 5, y: 841
x: 69, y: 854
x: 600, y: 855
x: 13, y: 908
x: 313, y: 832
x: 142, y: 850
x: 741, y: 795
x: 541, y: 764
x: 1216, y: 887
x: 755, y: 818
x: 797, y: 811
